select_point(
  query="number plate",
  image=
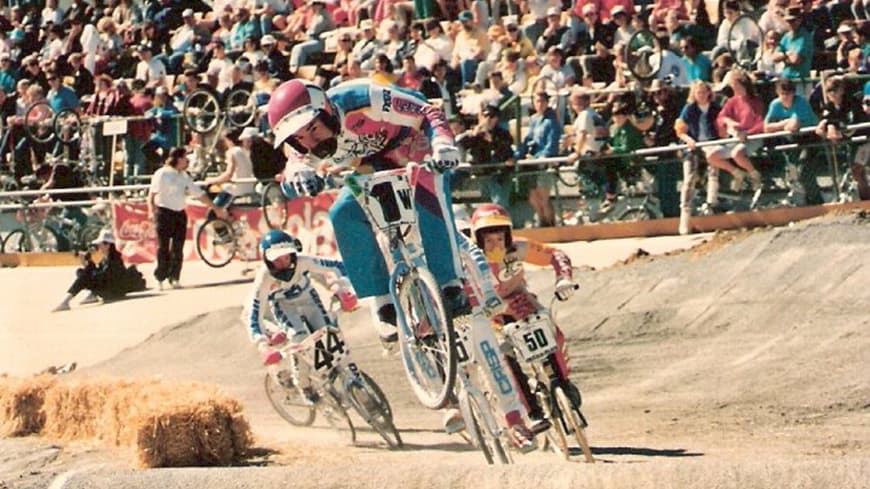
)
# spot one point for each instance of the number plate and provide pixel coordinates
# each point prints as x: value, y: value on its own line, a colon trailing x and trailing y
x: 328, y: 352
x: 390, y: 199
x: 533, y: 338
x: 463, y: 346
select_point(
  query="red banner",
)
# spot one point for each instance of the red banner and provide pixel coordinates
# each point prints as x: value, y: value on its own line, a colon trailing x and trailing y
x: 308, y: 220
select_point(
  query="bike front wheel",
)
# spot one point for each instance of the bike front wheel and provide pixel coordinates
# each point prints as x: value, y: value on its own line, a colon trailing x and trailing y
x: 372, y: 405
x: 483, y: 433
x: 274, y: 206
x: 574, y: 422
x: 215, y: 242
x: 427, y: 339
x: 288, y: 402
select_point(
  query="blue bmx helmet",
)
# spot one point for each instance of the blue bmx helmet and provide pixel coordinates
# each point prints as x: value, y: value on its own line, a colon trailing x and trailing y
x: 276, y: 244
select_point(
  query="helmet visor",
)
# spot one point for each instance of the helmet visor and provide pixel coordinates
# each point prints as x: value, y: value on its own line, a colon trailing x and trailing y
x: 291, y: 123
x: 276, y: 252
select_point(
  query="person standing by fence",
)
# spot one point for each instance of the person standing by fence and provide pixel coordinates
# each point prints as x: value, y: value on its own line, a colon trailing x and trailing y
x: 169, y: 187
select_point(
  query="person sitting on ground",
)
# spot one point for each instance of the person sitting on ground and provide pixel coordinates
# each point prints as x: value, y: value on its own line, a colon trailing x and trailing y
x: 107, y: 279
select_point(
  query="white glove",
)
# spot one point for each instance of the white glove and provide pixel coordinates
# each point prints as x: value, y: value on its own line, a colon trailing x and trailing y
x: 445, y: 157
x: 304, y: 180
x: 565, y: 289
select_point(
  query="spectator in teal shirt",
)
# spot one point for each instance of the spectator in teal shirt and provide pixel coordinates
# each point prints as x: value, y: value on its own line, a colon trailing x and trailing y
x: 795, y: 47
x: 7, y: 75
x: 790, y: 112
x: 697, y: 64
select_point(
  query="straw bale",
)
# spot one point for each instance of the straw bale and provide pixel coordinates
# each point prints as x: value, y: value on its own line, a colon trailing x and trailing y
x: 167, y: 424
x: 21, y: 403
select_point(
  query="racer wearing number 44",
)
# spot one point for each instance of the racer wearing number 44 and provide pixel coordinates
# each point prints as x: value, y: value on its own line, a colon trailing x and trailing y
x: 371, y: 127
x: 493, y: 232
x: 284, y: 284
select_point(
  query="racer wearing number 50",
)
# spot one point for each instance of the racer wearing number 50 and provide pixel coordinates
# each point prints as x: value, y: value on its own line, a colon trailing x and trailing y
x: 492, y: 230
x: 371, y: 127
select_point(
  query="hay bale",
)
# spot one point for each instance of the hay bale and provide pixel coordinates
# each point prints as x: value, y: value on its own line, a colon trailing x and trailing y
x: 167, y: 424
x: 21, y: 405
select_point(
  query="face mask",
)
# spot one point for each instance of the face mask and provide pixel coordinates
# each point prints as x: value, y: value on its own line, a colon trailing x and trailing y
x: 496, y: 256
x: 325, y: 148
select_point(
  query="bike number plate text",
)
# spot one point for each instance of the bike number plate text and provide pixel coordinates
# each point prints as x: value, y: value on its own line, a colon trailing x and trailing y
x: 328, y: 352
x: 533, y: 340
x: 390, y: 200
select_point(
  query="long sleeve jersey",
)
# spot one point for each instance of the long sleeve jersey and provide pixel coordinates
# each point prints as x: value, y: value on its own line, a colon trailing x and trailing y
x: 278, y: 294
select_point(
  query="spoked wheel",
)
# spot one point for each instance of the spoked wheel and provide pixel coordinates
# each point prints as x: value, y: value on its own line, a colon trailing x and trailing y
x: 427, y: 339
x: 44, y: 239
x: 555, y: 437
x: 201, y: 111
x: 745, y: 40
x: 574, y: 421
x: 39, y: 122
x: 335, y: 415
x: 288, y: 402
x: 483, y: 435
x: 634, y: 215
x: 68, y: 126
x: 241, y: 108
x: 274, y: 205
x: 643, y: 55
x: 372, y: 405
x: 16, y: 242
x: 215, y: 243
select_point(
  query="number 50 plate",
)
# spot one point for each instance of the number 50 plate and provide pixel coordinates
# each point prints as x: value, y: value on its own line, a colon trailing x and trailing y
x: 533, y: 338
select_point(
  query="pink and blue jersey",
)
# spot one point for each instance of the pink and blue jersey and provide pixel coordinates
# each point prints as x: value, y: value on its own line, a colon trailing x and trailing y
x: 385, y: 126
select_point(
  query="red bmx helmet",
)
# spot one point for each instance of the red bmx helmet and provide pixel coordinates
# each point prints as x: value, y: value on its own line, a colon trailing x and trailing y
x: 293, y: 105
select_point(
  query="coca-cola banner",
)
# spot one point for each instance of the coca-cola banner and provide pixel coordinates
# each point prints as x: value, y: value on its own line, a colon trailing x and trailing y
x: 308, y: 220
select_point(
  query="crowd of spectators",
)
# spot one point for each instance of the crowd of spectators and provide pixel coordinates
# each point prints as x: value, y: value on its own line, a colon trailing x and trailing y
x: 135, y: 58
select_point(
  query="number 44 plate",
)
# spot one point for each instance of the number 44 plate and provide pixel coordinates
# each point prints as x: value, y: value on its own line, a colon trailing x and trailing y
x: 533, y: 338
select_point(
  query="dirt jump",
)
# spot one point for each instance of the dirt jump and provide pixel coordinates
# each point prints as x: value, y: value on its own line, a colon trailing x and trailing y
x: 741, y: 363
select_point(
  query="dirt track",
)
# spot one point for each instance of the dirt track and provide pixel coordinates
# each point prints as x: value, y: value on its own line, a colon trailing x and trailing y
x: 745, y: 366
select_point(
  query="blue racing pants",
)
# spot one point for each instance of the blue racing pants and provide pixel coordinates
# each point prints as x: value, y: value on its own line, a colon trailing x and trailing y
x: 359, y: 249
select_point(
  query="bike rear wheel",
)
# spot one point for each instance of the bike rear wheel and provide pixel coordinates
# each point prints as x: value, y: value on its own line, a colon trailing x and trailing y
x: 216, y: 243
x: 288, y: 403
x: 483, y: 435
x: 241, y: 108
x: 67, y: 126
x: 574, y: 421
x: 427, y: 339
x: 274, y: 206
x: 372, y: 405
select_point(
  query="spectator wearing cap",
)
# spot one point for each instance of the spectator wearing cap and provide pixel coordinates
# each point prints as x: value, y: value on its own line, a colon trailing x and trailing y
x: 279, y: 66
x: 320, y: 23
x: 151, y: 71
x: 796, y: 47
x: 103, y: 273
x: 790, y: 112
x: 555, y: 34
x: 364, y: 50
x: 488, y: 143
x: 625, y: 139
x: 537, y: 10
x: 183, y: 41
x: 7, y: 74
x: 620, y: 19
x: 541, y: 141
x: 515, y: 40
x: 239, y: 167
x: 847, y: 42
x: 470, y: 48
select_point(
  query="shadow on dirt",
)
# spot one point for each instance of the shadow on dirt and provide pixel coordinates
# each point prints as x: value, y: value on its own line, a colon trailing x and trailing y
x: 645, y: 452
